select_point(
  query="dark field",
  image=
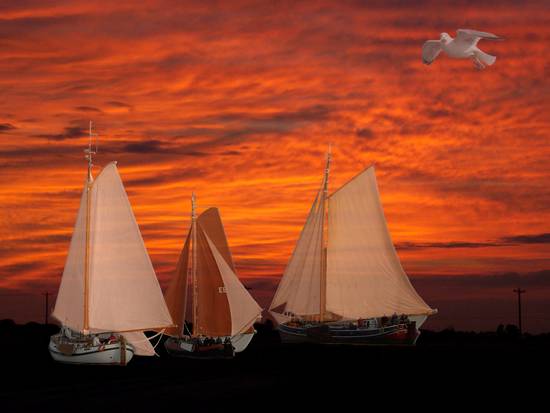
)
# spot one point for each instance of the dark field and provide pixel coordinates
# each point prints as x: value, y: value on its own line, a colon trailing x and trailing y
x: 443, y: 371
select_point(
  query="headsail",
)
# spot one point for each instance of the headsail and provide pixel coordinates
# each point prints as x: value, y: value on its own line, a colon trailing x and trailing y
x: 69, y: 306
x: 299, y: 289
x: 244, y: 309
x: 213, y: 314
x: 124, y: 293
x: 364, y: 275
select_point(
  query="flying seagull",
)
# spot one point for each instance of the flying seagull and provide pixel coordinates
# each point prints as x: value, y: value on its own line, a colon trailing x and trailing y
x: 462, y: 47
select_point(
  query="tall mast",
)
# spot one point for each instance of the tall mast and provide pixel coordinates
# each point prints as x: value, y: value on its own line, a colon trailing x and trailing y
x: 323, y: 278
x: 194, y: 262
x: 89, y: 181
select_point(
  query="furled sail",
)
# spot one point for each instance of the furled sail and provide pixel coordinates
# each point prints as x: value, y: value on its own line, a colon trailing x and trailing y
x: 123, y: 290
x: 299, y: 289
x: 364, y: 275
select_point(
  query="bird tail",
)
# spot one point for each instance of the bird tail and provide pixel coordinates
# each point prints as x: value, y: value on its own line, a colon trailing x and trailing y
x: 487, y: 59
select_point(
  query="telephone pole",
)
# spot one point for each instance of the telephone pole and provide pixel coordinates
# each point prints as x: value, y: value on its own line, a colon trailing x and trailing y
x: 519, y: 292
x: 46, y: 307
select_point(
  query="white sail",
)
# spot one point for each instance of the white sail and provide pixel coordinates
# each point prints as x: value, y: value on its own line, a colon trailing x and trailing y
x: 364, y: 275
x: 140, y: 342
x: 244, y: 309
x: 124, y: 293
x: 69, y: 306
x: 299, y: 289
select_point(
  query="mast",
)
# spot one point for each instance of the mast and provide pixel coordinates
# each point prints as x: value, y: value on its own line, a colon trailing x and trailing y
x: 323, y: 278
x: 194, y: 262
x: 89, y: 181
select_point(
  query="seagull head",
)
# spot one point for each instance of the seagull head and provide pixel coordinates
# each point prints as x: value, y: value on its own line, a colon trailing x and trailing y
x: 445, y: 38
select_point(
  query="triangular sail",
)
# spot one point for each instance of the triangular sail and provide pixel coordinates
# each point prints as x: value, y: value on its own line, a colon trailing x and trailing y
x: 176, y: 294
x: 223, y: 306
x: 69, y: 306
x: 364, y: 275
x: 211, y: 223
x: 140, y: 342
x: 244, y: 309
x: 213, y: 314
x: 124, y: 293
x: 299, y: 289
x: 123, y: 290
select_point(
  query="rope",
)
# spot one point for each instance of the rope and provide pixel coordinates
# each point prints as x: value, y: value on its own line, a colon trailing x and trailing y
x: 161, y: 333
x: 158, y: 341
x: 186, y: 327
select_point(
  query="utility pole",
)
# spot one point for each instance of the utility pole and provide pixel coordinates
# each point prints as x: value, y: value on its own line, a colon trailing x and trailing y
x: 519, y: 292
x: 46, y: 307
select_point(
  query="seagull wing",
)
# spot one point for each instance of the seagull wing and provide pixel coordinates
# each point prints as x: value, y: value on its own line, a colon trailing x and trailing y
x: 430, y: 50
x: 471, y: 37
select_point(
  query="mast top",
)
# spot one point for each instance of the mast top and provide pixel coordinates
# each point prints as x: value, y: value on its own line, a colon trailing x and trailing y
x: 193, y: 206
x: 89, y: 152
x: 327, y: 168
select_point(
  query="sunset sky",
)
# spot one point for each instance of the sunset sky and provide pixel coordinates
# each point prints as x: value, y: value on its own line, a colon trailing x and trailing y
x: 238, y: 102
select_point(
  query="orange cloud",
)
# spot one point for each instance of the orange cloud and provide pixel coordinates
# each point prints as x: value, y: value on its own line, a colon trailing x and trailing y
x: 238, y: 102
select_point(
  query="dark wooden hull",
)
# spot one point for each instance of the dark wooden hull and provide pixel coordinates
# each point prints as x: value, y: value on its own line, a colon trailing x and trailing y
x: 195, y: 350
x: 399, y: 334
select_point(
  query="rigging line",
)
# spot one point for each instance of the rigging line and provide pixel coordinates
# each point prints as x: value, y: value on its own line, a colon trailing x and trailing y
x: 186, y: 327
x: 158, y: 341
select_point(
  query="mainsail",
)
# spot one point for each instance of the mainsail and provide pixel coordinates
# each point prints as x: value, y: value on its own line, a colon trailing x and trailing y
x: 364, y: 275
x: 122, y: 293
x: 360, y: 272
x: 176, y: 294
x: 221, y: 306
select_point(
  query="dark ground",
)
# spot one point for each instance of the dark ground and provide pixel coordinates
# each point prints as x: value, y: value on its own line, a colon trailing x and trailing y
x: 444, y: 371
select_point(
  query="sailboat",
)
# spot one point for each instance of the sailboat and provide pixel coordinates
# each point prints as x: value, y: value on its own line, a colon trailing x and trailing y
x: 344, y: 283
x: 109, y: 293
x: 222, y: 310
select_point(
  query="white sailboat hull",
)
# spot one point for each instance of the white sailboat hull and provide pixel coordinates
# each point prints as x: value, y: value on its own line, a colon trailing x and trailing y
x: 84, y: 353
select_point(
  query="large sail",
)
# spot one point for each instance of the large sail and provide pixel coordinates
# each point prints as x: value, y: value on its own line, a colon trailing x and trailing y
x: 124, y: 293
x: 223, y: 306
x: 176, y: 294
x: 213, y: 316
x: 364, y: 275
x: 123, y: 290
x: 211, y: 223
x: 299, y: 290
x: 244, y: 309
x: 69, y: 306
